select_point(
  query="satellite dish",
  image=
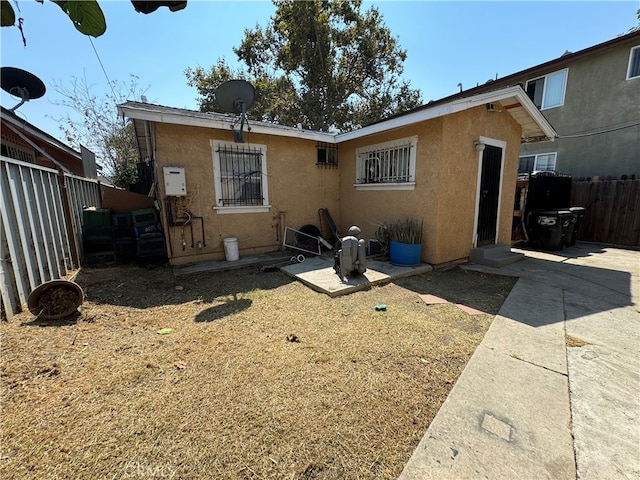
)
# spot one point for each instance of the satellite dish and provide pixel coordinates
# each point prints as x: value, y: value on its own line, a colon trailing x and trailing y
x: 21, y: 83
x: 236, y: 96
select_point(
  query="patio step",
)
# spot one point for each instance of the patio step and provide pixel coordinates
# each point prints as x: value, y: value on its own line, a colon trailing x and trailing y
x: 495, y: 255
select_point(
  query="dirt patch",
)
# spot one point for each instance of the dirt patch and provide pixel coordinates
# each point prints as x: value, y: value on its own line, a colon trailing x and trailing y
x: 574, y: 341
x: 260, y: 377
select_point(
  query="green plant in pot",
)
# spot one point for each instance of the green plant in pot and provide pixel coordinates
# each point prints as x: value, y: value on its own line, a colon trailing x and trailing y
x: 403, y: 239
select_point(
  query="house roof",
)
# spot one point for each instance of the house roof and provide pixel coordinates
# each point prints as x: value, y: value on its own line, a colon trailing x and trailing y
x: 41, y: 141
x: 513, y: 100
x: 13, y: 119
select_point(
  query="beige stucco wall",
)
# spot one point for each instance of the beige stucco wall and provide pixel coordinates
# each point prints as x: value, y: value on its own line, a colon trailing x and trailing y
x: 297, y: 189
x: 370, y: 208
x: 446, y: 182
x: 444, y: 197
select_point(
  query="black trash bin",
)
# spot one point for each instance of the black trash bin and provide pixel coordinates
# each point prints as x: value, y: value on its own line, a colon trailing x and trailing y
x: 579, y: 212
x: 568, y: 222
x: 545, y: 229
x: 550, y: 228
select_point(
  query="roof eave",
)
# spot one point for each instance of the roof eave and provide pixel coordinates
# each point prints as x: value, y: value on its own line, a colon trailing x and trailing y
x: 535, y: 130
x: 544, y: 131
x: 141, y: 113
x: 40, y: 134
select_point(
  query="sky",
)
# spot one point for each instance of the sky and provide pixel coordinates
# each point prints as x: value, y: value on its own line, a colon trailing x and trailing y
x: 446, y: 42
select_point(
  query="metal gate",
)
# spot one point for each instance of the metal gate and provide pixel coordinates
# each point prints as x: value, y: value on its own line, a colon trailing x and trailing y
x: 489, y: 195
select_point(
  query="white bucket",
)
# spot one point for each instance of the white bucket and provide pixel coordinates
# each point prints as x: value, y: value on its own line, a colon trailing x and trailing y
x: 231, y: 249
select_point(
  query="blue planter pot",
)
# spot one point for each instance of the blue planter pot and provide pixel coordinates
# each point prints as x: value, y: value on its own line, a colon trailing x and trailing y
x: 405, y: 254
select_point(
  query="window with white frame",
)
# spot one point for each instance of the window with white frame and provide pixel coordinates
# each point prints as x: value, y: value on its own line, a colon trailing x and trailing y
x: 548, y: 91
x: 240, y: 176
x: 536, y: 163
x: 634, y: 63
x: 387, y: 166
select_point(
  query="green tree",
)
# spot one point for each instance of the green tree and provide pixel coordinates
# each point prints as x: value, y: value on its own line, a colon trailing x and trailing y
x: 324, y: 64
x: 99, y: 128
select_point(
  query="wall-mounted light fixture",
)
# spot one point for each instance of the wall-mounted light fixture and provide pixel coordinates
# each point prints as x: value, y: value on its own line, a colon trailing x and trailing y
x: 479, y: 146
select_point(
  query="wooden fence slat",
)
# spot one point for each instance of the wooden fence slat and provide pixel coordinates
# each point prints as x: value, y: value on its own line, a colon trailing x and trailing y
x: 617, y: 232
x: 632, y: 224
x: 612, y: 210
x: 588, y: 229
x: 608, y: 192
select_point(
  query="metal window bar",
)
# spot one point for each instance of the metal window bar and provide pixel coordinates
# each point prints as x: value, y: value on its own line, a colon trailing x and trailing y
x: 385, y: 165
x: 240, y: 175
x: 327, y: 155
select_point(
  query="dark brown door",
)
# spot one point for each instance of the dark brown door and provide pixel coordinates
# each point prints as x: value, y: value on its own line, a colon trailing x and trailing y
x: 489, y: 194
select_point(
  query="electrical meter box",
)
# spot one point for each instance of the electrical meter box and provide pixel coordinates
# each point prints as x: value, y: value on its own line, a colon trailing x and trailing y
x: 174, y: 183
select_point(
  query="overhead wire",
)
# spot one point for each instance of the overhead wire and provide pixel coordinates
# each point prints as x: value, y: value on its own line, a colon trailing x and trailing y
x: 599, y: 132
x: 103, y: 69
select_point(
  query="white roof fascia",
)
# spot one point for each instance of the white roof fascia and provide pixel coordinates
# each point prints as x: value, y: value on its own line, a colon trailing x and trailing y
x: 34, y: 131
x: 453, y: 107
x: 195, y: 121
x: 535, y: 113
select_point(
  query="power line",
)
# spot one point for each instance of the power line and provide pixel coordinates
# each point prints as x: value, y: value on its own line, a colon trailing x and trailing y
x: 590, y: 134
x: 102, y: 66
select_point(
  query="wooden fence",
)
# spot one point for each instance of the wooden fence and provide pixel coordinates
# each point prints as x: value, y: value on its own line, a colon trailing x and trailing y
x: 613, y: 210
x: 40, y: 227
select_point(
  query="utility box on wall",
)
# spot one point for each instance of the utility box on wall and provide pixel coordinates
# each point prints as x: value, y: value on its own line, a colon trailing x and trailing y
x: 174, y: 182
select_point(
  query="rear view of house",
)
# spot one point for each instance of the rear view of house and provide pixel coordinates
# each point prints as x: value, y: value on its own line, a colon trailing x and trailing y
x: 451, y: 164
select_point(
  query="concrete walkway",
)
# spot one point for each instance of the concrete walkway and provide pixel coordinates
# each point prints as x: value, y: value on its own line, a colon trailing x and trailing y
x: 553, y: 390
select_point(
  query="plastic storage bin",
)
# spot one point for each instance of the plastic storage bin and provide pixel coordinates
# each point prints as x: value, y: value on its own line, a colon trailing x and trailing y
x: 96, y: 217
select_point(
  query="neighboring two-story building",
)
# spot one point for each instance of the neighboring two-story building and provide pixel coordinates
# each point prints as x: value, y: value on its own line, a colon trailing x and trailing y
x: 592, y: 99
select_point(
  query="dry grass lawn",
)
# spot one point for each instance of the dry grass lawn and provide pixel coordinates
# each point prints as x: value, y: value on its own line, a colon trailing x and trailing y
x: 226, y: 394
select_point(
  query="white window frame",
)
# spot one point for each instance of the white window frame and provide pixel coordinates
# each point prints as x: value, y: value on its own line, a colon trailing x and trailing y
x: 233, y: 209
x: 535, y: 160
x: 634, y: 51
x: 546, y: 83
x: 411, y: 142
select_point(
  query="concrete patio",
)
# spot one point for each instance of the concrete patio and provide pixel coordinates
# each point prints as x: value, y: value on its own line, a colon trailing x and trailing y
x: 316, y: 271
x: 318, y: 274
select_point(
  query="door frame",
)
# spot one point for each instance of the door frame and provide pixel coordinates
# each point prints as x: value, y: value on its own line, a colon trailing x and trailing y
x: 502, y: 145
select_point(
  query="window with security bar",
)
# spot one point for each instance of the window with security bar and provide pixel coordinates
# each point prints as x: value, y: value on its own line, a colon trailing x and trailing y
x: 327, y: 155
x: 387, y: 164
x: 240, y: 174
